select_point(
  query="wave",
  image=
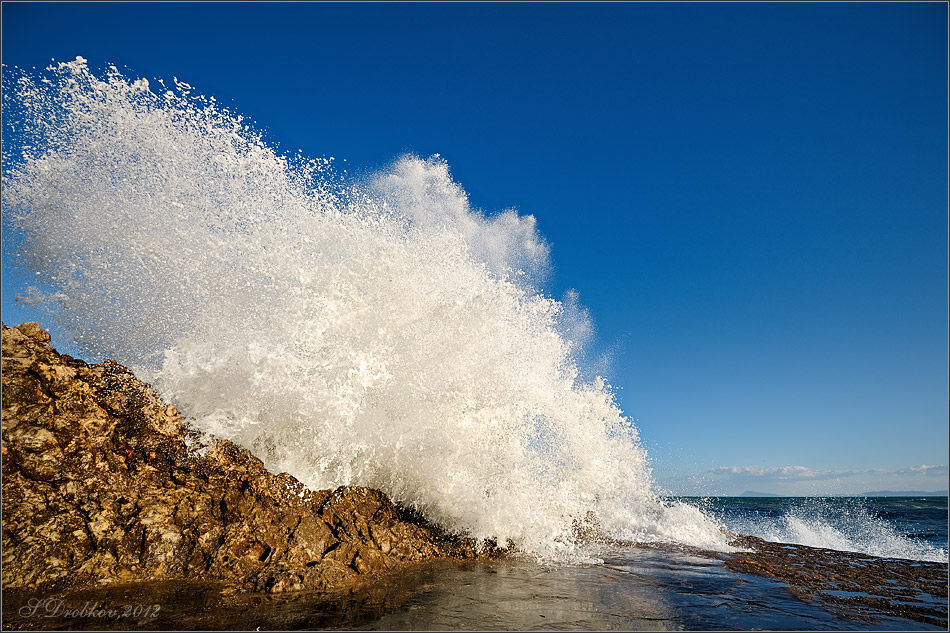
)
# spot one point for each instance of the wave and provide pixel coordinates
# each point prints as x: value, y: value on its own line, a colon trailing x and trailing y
x: 377, y: 331
x: 844, y: 524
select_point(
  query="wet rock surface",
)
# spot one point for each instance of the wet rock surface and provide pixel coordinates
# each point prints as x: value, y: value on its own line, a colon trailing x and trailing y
x: 112, y: 504
x: 637, y: 588
x: 854, y: 585
x: 103, y: 482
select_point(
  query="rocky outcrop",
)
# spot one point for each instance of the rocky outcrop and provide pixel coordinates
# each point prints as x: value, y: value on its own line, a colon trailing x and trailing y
x: 854, y: 585
x: 103, y: 482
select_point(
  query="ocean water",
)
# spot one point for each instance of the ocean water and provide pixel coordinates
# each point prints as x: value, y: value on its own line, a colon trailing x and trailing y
x: 913, y: 528
x: 380, y: 331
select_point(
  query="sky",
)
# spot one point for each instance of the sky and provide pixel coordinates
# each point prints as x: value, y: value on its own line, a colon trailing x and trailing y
x: 749, y: 198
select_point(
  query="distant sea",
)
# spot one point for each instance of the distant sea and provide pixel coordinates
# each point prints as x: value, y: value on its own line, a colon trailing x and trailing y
x: 875, y: 493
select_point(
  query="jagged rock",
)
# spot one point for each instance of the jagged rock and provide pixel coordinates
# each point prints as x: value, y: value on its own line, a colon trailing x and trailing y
x: 103, y: 482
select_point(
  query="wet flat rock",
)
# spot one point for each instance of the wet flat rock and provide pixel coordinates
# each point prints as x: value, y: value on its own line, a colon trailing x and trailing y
x: 447, y: 595
x: 105, y: 483
x: 854, y: 585
x: 638, y: 587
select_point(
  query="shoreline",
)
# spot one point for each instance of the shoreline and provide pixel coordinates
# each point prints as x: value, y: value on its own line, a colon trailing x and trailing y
x: 109, y: 498
x: 637, y: 588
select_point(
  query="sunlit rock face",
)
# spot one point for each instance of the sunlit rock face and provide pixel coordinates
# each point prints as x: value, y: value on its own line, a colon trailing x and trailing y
x: 104, y: 482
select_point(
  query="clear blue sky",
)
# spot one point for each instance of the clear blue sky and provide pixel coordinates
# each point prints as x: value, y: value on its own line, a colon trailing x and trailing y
x: 751, y: 199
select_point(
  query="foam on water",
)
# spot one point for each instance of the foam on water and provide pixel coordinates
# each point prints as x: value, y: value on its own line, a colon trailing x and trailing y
x: 839, y: 524
x: 379, y: 333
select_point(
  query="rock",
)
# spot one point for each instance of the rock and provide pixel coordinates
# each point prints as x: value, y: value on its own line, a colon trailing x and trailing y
x: 103, y: 482
x: 857, y: 586
x: 34, y: 331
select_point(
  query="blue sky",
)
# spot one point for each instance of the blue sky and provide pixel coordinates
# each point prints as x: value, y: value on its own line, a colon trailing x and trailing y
x: 751, y: 199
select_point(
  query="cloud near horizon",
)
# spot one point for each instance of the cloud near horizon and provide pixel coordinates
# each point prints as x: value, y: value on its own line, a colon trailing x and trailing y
x: 797, y: 479
x: 923, y: 469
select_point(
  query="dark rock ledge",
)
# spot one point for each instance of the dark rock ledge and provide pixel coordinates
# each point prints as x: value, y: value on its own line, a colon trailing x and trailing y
x: 105, y: 483
x: 856, y: 586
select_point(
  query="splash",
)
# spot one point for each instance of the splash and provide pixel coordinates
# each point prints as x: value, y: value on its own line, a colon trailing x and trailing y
x: 843, y: 524
x: 379, y: 333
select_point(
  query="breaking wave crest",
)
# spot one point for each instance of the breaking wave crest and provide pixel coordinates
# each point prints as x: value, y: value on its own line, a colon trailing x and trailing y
x: 844, y: 524
x: 379, y: 332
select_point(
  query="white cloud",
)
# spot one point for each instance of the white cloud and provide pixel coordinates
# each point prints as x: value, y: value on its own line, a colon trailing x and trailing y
x: 791, y: 473
x: 796, y: 480
x: 923, y: 469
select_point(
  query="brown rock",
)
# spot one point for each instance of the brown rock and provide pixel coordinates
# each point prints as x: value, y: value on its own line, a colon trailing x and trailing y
x: 104, y: 482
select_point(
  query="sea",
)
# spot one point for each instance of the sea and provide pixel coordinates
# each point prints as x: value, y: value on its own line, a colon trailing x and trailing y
x: 375, y: 329
x: 913, y: 528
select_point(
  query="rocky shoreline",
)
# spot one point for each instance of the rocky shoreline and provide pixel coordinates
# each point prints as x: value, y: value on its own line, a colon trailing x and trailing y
x: 856, y: 586
x: 105, y: 483
x: 109, y: 497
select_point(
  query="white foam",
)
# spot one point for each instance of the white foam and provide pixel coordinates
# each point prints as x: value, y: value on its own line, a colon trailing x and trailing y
x: 380, y: 333
x: 850, y: 528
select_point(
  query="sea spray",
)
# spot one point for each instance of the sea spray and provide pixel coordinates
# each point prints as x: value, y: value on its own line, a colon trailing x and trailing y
x: 878, y: 527
x: 379, y: 333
